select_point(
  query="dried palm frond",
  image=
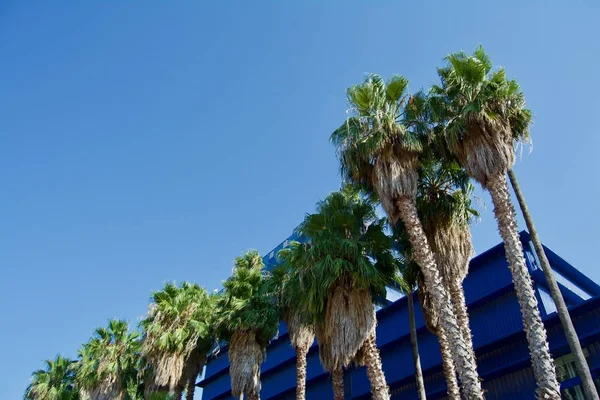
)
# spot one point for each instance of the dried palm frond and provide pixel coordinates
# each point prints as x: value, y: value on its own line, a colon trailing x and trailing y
x: 480, y: 114
x: 176, y: 332
x: 452, y: 248
x: 486, y: 150
x: 395, y: 175
x: 245, y: 357
x: 381, y: 138
x: 350, y: 320
x: 302, y: 334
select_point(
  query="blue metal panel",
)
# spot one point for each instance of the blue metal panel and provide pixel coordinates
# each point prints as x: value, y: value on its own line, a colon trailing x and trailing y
x: 518, y: 385
x: 487, y: 278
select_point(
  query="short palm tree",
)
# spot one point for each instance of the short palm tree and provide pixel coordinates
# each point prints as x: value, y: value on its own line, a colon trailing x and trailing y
x: 247, y: 318
x: 342, y: 270
x: 55, y: 382
x: 286, y: 285
x: 475, y: 109
x: 109, y: 363
x: 177, y: 336
x: 379, y: 148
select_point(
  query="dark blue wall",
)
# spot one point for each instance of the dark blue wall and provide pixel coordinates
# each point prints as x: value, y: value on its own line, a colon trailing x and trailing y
x: 503, y: 359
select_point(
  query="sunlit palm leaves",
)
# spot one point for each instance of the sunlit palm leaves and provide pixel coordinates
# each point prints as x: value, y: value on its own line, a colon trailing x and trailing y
x: 178, y: 334
x: 109, y: 363
x: 479, y: 114
x: 55, y: 382
x: 246, y: 302
x: 347, y: 243
x: 248, y: 319
x: 372, y: 131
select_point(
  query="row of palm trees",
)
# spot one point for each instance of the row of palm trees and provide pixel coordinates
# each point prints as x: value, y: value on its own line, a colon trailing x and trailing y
x: 413, y: 154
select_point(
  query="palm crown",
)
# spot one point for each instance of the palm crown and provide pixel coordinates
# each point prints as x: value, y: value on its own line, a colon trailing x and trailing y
x: 348, y: 245
x: 444, y: 194
x: 109, y: 361
x: 479, y: 111
x: 55, y: 382
x: 247, y: 303
x: 373, y: 130
x: 177, y: 329
x: 379, y: 144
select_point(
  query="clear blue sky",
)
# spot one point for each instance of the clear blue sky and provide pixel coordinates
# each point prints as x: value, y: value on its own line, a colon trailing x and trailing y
x: 149, y: 141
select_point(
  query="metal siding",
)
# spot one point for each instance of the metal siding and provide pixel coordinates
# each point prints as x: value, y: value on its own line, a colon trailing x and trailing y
x: 495, y: 319
x: 518, y: 385
x: 486, y: 279
x: 217, y: 387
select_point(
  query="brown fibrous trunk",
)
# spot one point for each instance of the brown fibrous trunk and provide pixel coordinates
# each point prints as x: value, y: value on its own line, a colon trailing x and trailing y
x: 541, y: 359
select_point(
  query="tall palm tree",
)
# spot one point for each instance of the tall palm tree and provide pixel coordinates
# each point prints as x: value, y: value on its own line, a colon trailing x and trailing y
x: 430, y: 313
x: 444, y: 206
x: 581, y: 365
x: 109, y: 364
x: 379, y: 149
x: 55, y: 382
x: 342, y: 271
x: 177, y: 336
x: 408, y: 283
x: 248, y: 319
x: 475, y: 108
x: 285, y: 284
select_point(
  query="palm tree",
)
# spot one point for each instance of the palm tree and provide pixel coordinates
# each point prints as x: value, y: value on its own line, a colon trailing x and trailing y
x: 55, y: 382
x: 379, y: 149
x: 342, y: 271
x: 475, y: 108
x: 432, y: 321
x: 109, y: 364
x: 581, y: 365
x: 444, y: 206
x: 248, y: 319
x: 414, y: 277
x: 285, y: 283
x: 408, y: 283
x: 177, y: 336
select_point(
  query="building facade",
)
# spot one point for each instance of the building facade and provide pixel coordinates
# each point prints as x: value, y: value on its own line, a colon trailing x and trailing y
x: 498, y: 339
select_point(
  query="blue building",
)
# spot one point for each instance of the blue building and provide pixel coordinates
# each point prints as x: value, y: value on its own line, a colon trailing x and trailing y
x: 498, y: 338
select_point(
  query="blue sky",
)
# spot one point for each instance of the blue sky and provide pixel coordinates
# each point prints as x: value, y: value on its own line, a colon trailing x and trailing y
x: 146, y: 142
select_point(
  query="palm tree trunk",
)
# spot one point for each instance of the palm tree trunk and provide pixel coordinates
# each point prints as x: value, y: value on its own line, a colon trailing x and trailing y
x: 379, y: 387
x: 191, y: 388
x: 301, y: 352
x: 252, y: 396
x: 447, y: 365
x: 337, y: 377
x: 582, y: 367
x: 463, y: 360
x: 178, y: 392
x: 541, y: 360
x: 190, y: 374
x: 415, y: 346
x: 459, y: 304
